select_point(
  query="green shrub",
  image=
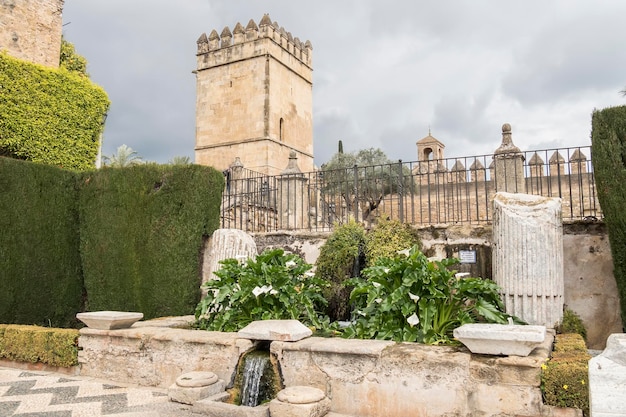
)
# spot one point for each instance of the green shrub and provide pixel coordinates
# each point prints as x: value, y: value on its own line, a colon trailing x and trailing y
x: 408, y: 298
x: 273, y: 286
x: 608, y: 139
x: 341, y: 258
x: 49, y: 116
x: 142, y: 231
x: 34, y: 344
x: 387, y: 238
x: 40, y: 267
x: 564, y: 377
x: 572, y: 323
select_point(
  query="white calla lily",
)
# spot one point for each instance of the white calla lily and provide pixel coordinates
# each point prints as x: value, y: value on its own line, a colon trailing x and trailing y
x: 413, y: 320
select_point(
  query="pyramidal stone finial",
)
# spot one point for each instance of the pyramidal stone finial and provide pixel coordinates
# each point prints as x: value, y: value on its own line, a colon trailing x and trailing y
x: 252, y: 25
x: 265, y: 20
x: 203, y: 39
x: 507, y: 145
x: 238, y: 28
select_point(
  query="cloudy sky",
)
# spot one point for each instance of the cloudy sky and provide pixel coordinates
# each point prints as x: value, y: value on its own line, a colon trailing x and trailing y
x: 384, y: 72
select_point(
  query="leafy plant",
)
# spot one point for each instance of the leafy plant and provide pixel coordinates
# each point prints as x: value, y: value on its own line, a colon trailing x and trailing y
x: 572, y: 323
x: 273, y: 286
x: 387, y: 238
x: 49, y: 116
x: 340, y: 259
x: 409, y: 298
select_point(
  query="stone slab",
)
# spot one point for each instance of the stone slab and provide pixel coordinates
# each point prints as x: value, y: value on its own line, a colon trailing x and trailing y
x: 500, y: 339
x: 282, y: 330
x: 607, y: 379
x: 109, y: 320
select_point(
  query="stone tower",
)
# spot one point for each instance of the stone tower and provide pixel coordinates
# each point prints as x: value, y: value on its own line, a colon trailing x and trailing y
x: 31, y: 30
x: 254, y: 98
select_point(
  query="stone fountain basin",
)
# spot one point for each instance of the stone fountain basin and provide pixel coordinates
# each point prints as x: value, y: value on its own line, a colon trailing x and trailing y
x: 500, y: 339
x: 109, y: 320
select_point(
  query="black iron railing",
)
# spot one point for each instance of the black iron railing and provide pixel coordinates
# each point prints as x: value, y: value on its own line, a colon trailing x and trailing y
x: 445, y: 191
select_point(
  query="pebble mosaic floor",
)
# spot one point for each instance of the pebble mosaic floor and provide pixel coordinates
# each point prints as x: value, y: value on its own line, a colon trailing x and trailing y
x: 45, y: 394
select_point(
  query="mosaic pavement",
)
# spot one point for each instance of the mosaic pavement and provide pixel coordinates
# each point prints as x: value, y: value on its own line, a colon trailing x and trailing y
x: 45, y: 394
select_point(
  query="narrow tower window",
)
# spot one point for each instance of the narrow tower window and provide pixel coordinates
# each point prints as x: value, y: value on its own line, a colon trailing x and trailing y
x: 280, y: 129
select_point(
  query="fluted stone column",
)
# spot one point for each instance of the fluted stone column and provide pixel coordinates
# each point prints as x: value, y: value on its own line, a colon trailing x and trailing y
x: 528, y: 256
x: 225, y: 244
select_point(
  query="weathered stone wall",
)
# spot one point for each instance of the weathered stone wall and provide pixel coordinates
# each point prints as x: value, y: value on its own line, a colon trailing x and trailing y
x: 371, y: 378
x: 31, y: 30
x: 156, y: 356
x: 590, y: 288
x: 365, y: 378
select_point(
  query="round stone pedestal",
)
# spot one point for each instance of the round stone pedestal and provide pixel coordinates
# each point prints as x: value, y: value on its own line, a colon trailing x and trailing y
x: 194, y: 386
x: 300, y: 401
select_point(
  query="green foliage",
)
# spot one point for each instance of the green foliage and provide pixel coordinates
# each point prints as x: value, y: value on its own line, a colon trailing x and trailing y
x: 33, y: 344
x: 564, y: 377
x: 142, y: 232
x: 608, y: 138
x: 40, y: 268
x: 72, y: 61
x: 340, y: 259
x: 180, y: 160
x: 49, y: 116
x: 387, y: 238
x: 273, y: 286
x: 572, y: 323
x: 411, y: 299
x: 124, y: 157
x: 362, y: 179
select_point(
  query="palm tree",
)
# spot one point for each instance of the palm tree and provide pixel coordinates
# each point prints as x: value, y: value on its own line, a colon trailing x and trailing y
x: 124, y: 157
x: 180, y: 160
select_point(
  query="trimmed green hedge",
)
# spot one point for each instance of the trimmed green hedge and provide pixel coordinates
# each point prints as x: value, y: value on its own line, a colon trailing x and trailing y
x: 564, y: 378
x: 608, y: 138
x: 50, y: 116
x: 40, y: 267
x: 114, y: 239
x: 142, y: 232
x: 34, y: 344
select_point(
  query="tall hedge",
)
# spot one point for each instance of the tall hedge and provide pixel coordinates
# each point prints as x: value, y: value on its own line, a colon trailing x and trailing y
x: 142, y: 232
x: 608, y: 139
x: 50, y: 116
x: 40, y: 268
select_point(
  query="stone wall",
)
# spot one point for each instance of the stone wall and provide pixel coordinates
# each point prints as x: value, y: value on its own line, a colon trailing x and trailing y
x: 365, y: 378
x: 590, y: 288
x: 31, y: 30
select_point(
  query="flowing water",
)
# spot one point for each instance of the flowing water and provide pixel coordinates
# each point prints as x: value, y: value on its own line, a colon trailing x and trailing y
x: 258, y: 382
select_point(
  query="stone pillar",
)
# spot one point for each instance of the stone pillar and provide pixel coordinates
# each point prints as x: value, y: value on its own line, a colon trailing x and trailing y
x: 509, y: 165
x: 225, y: 244
x: 528, y: 256
x: 607, y: 379
x: 293, y: 200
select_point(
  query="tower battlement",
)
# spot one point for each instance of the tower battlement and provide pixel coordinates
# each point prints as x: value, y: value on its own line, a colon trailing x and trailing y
x: 252, y: 41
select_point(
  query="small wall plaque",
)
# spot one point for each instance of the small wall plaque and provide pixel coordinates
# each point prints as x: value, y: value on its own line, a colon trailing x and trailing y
x: 467, y: 256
